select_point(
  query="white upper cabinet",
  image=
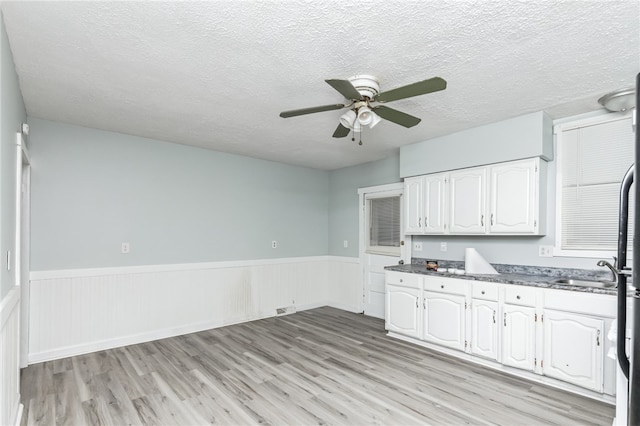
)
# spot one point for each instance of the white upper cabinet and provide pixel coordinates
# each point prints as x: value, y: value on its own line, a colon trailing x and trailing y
x: 413, y: 205
x: 467, y: 201
x: 500, y: 199
x: 435, y: 203
x: 513, y: 197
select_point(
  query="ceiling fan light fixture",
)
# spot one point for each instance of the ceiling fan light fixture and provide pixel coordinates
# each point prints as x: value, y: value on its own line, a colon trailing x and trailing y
x: 365, y: 116
x: 348, y: 118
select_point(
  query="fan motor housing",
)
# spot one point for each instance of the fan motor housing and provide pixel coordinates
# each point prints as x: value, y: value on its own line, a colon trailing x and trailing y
x: 366, y: 85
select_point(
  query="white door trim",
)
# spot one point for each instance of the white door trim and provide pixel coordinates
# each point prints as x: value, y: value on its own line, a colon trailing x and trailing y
x: 388, y: 190
x: 21, y: 257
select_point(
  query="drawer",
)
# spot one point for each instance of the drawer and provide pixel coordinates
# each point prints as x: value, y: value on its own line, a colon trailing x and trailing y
x: 403, y: 279
x: 520, y: 295
x: 485, y: 291
x: 446, y: 285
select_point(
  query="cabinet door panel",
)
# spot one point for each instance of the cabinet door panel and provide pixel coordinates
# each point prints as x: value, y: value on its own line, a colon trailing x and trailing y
x: 467, y: 201
x: 484, y: 335
x: 413, y: 202
x: 573, y: 349
x: 518, y: 337
x: 403, y: 310
x: 444, y: 319
x: 434, y: 206
x: 513, y: 197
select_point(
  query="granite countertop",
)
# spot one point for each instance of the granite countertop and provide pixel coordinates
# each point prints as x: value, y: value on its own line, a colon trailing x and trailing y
x: 535, y: 277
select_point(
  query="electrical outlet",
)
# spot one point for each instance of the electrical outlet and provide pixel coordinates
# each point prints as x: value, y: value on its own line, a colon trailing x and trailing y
x: 443, y: 246
x: 545, y: 251
x: 125, y: 248
x: 417, y: 246
x: 345, y: 244
x: 274, y: 244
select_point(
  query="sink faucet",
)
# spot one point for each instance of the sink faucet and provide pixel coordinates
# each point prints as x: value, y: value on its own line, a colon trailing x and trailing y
x: 614, y: 271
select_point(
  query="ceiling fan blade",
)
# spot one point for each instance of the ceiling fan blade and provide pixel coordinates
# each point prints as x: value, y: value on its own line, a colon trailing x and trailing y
x: 303, y: 111
x: 341, y: 131
x: 345, y: 88
x: 396, y: 116
x: 416, y: 89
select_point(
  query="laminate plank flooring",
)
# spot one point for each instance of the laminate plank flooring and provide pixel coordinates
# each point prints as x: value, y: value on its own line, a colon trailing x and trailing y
x: 323, y: 366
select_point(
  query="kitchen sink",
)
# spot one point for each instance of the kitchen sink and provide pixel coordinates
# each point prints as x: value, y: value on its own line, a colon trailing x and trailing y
x: 585, y: 283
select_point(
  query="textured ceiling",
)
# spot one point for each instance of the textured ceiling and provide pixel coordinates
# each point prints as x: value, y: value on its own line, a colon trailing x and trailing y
x: 216, y: 74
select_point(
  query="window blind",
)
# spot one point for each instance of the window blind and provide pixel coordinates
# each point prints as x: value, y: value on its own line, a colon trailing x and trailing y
x: 384, y: 223
x: 592, y: 162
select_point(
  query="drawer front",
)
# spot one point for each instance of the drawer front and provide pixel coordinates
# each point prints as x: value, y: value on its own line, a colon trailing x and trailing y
x: 403, y: 279
x: 446, y: 285
x: 520, y: 295
x: 485, y: 291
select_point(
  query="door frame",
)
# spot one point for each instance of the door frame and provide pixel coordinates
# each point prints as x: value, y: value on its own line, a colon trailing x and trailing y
x: 382, y: 190
x: 22, y: 247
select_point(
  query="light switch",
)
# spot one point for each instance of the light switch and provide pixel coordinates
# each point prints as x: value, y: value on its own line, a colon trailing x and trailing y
x: 125, y: 248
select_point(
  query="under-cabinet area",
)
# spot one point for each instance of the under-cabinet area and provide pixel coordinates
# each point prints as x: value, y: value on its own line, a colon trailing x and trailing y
x: 550, y: 335
x: 499, y: 199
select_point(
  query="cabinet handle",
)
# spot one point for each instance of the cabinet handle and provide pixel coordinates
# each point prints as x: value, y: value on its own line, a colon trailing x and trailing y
x: 482, y: 292
x: 492, y: 219
x: 441, y: 285
x: 419, y: 222
x: 518, y: 297
x: 417, y: 306
x: 598, y: 338
x: 494, y: 317
x: 482, y: 220
x: 424, y: 303
x: 425, y: 221
x: 400, y: 279
x: 505, y: 319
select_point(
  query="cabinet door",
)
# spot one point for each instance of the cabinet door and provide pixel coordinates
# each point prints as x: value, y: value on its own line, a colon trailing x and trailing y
x: 484, y: 328
x: 514, y: 197
x: 444, y: 319
x: 434, y: 205
x: 413, y: 205
x: 467, y: 201
x: 518, y: 336
x: 573, y: 349
x: 403, y: 310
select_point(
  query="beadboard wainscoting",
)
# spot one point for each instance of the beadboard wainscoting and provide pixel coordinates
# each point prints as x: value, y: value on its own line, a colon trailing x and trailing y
x: 80, y: 311
x: 10, y: 407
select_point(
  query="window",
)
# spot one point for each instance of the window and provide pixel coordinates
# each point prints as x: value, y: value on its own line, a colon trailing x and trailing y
x: 384, y: 224
x: 593, y: 157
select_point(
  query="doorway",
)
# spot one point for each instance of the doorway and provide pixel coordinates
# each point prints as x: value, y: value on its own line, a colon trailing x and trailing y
x: 382, y: 241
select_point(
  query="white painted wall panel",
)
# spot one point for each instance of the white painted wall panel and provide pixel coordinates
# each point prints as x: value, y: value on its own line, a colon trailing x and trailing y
x: 84, y: 312
x: 10, y: 407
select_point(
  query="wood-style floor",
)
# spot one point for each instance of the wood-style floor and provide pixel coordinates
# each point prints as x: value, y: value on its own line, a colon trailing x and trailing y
x: 323, y: 366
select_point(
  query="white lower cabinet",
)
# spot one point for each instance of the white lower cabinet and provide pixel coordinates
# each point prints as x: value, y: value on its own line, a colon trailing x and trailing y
x: 556, y: 333
x: 404, y: 310
x: 518, y: 336
x: 573, y: 349
x: 444, y: 319
x: 484, y: 328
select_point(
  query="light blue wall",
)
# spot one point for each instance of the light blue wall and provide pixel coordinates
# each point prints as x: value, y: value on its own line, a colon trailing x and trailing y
x: 525, y: 136
x: 12, y: 116
x: 343, y: 200
x: 93, y: 190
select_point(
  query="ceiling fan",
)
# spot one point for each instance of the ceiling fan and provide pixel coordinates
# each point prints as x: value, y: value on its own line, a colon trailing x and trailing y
x: 364, y: 90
